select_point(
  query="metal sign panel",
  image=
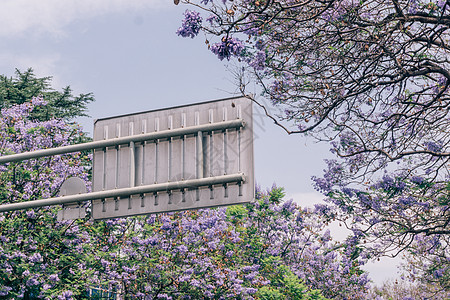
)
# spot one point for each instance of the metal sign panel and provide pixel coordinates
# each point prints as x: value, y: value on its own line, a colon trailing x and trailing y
x: 72, y: 186
x: 204, y: 168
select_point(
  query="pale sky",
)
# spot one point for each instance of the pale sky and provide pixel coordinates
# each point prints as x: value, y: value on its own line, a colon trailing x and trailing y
x: 127, y: 53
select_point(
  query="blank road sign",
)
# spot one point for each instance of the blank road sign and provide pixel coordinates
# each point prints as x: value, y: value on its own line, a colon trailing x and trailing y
x: 186, y: 157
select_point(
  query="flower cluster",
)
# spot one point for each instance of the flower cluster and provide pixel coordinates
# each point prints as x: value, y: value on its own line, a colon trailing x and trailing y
x: 38, y: 255
x: 230, y: 253
x: 191, y: 24
x: 228, y: 47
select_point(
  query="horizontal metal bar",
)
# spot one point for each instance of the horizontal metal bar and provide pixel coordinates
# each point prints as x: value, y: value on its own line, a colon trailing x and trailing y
x: 123, y: 140
x: 125, y: 192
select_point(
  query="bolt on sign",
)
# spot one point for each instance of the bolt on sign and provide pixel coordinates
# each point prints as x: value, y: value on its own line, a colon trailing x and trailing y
x: 188, y: 157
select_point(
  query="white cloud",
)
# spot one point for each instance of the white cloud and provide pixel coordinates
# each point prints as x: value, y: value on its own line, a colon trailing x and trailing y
x: 51, y: 16
x: 43, y: 65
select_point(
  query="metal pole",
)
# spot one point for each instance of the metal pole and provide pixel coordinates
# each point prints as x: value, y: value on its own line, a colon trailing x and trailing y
x: 125, y: 192
x: 122, y: 140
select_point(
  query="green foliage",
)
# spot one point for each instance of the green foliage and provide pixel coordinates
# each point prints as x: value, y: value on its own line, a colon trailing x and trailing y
x: 276, y: 195
x: 284, y: 284
x: 26, y: 85
x: 236, y: 214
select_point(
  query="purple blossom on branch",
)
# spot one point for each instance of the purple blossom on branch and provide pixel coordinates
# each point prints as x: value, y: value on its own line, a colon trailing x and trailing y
x: 227, y: 47
x: 433, y: 146
x: 36, y: 257
x: 191, y: 24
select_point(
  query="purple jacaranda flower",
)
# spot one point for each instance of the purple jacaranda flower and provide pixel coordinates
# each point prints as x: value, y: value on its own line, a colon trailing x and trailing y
x: 182, y: 249
x: 433, y: 146
x: 32, y: 282
x: 4, y: 290
x: 53, y: 277
x: 229, y: 46
x: 195, y: 282
x: 191, y: 24
x: 30, y: 214
x: 258, y: 62
x: 36, y: 257
x: 417, y: 179
x: 212, y: 19
x: 66, y: 295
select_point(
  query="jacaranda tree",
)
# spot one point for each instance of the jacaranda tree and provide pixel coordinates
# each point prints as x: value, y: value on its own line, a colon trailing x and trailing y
x: 39, y: 256
x: 270, y: 249
x: 372, y: 78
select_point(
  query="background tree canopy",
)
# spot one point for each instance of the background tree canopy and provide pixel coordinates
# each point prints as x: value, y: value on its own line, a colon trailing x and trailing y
x: 25, y: 86
x: 371, y: 77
